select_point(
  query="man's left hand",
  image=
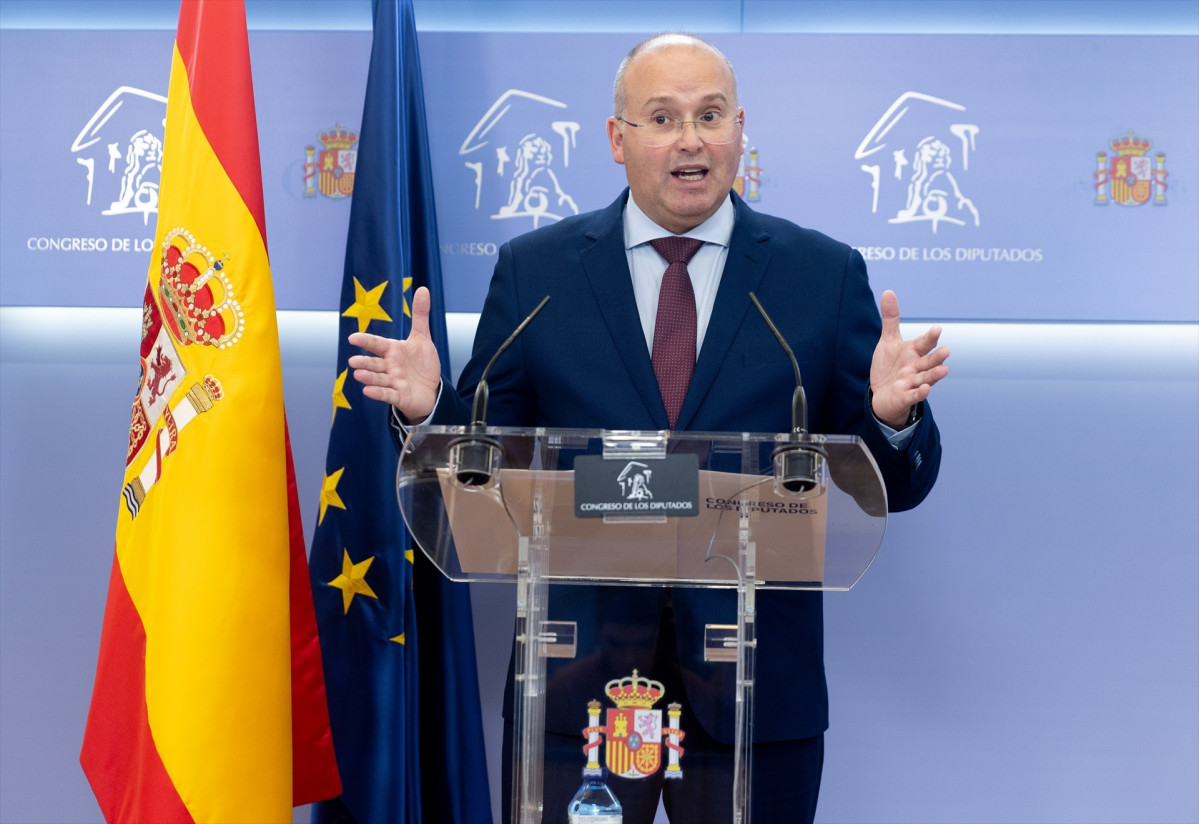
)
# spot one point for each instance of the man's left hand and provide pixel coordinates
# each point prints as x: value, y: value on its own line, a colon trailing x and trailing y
x: 902, y: 373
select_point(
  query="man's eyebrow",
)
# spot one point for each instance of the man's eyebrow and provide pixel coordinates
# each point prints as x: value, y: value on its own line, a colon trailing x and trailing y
x: 664, y: 99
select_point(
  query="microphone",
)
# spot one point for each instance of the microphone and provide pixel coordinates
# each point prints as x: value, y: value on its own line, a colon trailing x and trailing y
x: 475, y: 460
x: 799, y: 464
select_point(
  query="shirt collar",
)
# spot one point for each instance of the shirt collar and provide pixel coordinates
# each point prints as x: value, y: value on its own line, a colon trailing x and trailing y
x: 639, y: 229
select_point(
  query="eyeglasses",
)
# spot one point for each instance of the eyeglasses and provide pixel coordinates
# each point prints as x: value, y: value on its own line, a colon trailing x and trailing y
x: 712, y: 128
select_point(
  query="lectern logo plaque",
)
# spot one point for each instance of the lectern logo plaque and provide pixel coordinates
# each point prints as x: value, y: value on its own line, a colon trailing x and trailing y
x: 667, y: 486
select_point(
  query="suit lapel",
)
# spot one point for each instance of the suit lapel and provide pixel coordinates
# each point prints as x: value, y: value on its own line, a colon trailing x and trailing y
x: 744, y: 268
x: 607, y: 268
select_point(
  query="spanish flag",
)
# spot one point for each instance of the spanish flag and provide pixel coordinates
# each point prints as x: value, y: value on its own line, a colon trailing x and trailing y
x: 209, y: 700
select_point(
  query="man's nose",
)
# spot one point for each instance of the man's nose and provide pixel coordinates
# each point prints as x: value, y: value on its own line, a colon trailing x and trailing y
x: 688, y: 137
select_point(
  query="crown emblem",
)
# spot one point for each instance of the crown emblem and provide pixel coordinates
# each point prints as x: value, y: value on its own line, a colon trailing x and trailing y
x: 1131, y: 146
x: 338, y: 138
x: 634, y: 691
x: 197, y: 297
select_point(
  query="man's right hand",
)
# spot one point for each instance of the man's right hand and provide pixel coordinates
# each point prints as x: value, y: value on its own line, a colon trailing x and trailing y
x: 403, y: 373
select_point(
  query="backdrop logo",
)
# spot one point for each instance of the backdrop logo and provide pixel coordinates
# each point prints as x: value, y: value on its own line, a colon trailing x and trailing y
x: 120, y: 149
x: 333, y: 171
x: 1133, y: 178
x: 518, y: 151
x: 930, y: 152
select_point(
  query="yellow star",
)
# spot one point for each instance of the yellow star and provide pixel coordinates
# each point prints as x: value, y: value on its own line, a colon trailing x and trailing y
x: 366, y: 305
x: 339, y: 393
x: 407, y: 286
x: 352, y: 580
x: 329, y: 496
x: 399, y: 639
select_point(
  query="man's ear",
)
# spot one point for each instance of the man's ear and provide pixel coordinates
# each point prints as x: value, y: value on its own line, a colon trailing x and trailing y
x: 616, y: 140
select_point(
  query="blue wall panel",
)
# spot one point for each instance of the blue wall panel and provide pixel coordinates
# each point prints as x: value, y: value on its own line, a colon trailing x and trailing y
x: 1026, y: 646
x: 984, y: 177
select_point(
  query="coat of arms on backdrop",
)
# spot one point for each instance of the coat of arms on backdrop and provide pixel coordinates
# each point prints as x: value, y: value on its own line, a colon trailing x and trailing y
x: 1131, y: 176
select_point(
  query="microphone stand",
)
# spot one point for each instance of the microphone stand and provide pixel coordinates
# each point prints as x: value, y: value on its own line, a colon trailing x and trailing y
x: 799, y: 462
x: 475, y: 459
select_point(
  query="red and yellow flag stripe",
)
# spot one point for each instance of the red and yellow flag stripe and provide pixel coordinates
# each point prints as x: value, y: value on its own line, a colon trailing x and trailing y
x: 209, y: 620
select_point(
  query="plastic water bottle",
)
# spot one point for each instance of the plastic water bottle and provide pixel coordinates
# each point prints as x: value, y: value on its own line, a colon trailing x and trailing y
x: 594, y: 803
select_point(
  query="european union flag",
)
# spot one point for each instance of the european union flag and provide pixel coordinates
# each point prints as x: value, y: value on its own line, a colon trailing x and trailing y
x: 371, y: 587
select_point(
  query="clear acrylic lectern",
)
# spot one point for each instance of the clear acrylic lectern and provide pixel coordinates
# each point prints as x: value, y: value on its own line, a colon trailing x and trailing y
x: 678, y: 509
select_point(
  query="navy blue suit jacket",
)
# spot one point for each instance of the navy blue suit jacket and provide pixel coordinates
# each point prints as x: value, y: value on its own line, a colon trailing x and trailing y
x: 584, y: 362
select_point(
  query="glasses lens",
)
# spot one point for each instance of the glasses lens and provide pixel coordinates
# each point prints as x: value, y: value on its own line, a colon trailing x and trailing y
x: 714, y: 134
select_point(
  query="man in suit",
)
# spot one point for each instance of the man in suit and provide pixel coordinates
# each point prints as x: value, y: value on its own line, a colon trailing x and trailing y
x: 592, y: 359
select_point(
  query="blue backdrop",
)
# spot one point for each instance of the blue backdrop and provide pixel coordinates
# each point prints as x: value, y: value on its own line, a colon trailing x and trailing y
x: 1026, y: 646
x: 1014, y: 177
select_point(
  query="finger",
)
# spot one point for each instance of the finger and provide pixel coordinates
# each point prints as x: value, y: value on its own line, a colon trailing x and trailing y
x: 926, y: 342
x: 928, y: 369
x: 371, y: 377
x: 930, y: 359
x: 910, y: 397
x: 889, y: 306
x: 930, y: 377
x: 421, y: 303
x: 375, y: 344
x: 380, y: 393
x: 367, y: 362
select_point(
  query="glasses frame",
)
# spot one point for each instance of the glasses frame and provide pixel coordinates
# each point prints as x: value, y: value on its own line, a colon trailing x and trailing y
x: 737, y: 121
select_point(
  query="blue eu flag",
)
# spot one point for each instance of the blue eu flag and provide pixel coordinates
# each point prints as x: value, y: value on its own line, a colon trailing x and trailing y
x: 405, y: 752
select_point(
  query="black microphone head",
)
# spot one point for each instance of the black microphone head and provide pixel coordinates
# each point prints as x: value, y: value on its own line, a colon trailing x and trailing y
x: 475, y: 461
x: 799, y: 473
x: 800, y: 470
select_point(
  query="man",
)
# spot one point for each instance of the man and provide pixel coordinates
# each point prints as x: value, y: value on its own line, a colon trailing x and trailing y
x: 591, y: 359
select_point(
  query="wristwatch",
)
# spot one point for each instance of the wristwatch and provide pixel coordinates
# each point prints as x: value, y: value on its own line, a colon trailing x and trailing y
x: 914, y: 413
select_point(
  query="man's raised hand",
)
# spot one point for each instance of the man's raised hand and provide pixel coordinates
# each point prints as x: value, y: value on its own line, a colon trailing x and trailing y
x: 902, y: 373
x: 403, y: 373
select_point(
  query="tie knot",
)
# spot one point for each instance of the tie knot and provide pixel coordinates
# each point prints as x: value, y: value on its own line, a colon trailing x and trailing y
x: 676, y: 249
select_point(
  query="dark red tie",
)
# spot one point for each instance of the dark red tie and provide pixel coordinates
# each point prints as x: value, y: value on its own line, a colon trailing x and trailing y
x: 674, y: 330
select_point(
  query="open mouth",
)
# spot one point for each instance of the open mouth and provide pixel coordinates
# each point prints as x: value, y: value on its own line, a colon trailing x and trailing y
x: 690, y: 174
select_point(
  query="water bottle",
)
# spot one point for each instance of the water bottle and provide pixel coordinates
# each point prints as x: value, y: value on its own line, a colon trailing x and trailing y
x: 594, y: 803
